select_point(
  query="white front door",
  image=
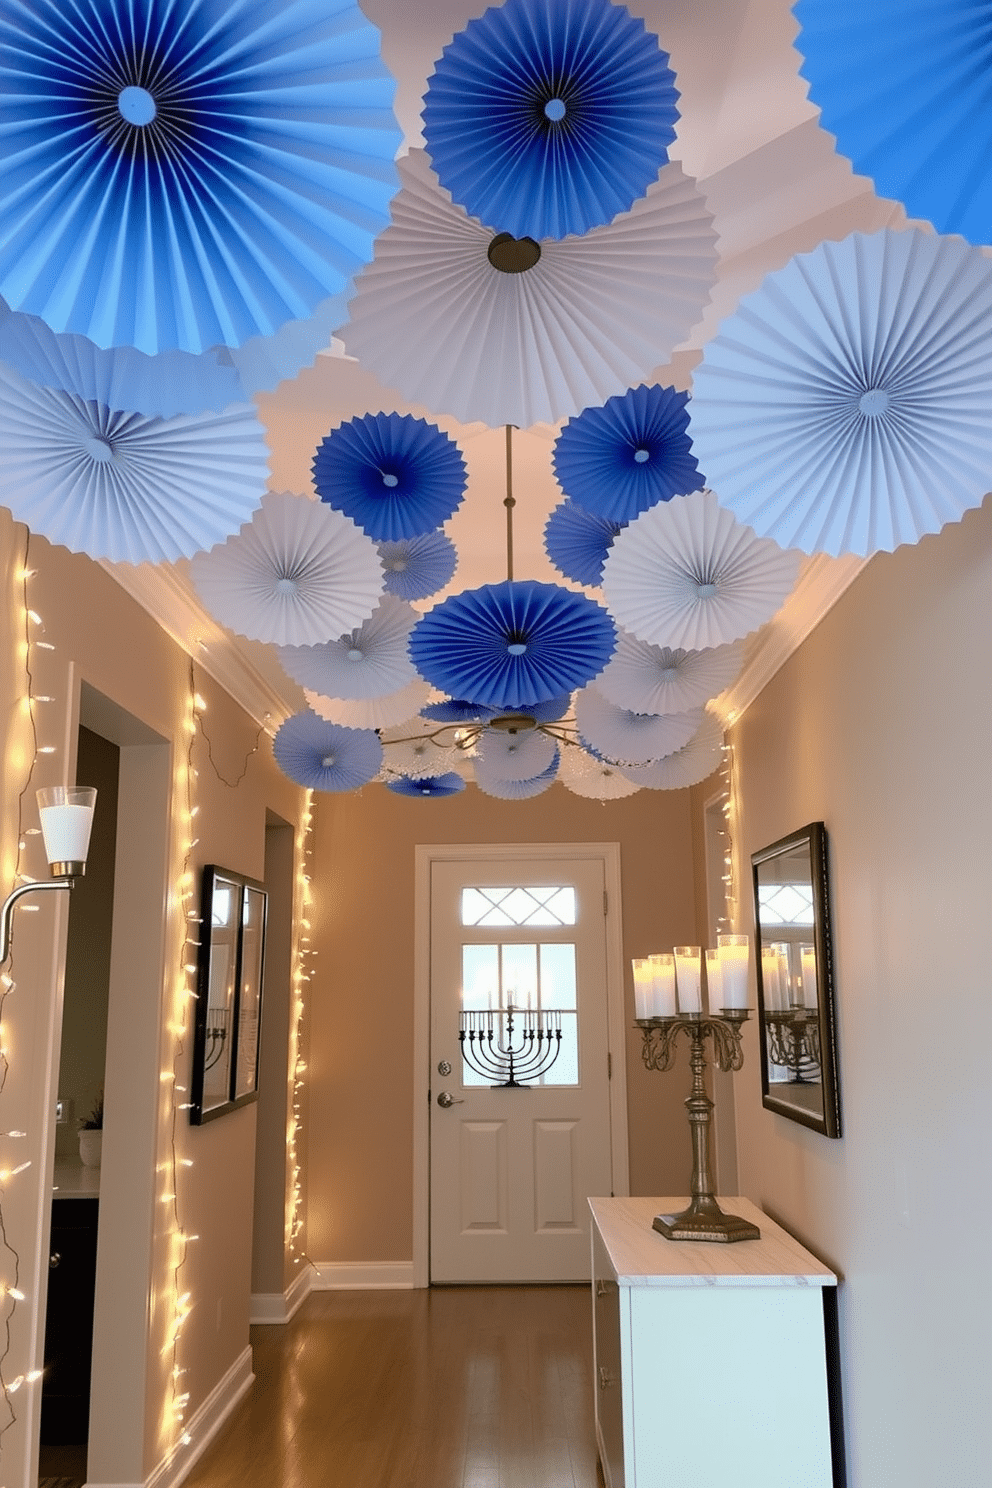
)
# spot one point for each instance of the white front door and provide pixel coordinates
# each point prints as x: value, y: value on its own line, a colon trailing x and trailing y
x: 512, y: 1165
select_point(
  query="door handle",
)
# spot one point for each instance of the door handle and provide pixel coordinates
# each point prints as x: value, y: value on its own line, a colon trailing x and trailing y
x: 445, y: 1099
x: 54, y: 1260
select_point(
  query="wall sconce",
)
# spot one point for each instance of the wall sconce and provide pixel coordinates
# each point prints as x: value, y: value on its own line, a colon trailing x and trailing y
x: 66, y: 816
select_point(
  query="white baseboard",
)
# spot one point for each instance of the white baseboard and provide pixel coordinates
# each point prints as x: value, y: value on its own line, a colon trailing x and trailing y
x: 332, y: 1276
x: 279, y: 1307
x: 203, y: 1426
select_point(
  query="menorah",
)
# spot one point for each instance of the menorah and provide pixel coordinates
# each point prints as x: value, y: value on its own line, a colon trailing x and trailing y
x: 218, y: 1027
x: 794, y: 1042
x: 488, y: 1046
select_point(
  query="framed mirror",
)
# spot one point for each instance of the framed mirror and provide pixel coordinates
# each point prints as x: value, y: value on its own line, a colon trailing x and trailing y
x: 795, y: 980
x: 229, y: 994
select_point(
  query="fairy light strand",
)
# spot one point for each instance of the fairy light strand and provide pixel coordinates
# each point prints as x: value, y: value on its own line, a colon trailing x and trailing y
x: 301, y: 976
x: 199, y: 708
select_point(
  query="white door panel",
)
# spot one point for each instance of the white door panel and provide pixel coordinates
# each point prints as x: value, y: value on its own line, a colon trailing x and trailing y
x: 511, y: 1168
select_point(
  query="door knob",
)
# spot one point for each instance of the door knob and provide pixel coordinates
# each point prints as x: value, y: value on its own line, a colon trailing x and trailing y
x: 445, y: 1099
x: 54, y: 1260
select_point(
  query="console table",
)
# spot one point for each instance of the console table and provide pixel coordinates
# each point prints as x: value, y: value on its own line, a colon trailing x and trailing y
x: 710, y: 1359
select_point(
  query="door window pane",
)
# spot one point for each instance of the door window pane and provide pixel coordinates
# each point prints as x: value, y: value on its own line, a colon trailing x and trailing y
x: 518, y: 905
x: 535, y: 978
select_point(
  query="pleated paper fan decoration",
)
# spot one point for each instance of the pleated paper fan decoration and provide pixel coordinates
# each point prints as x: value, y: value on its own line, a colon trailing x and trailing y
x: 577, y: 542
x: 658, y: 679
x: 635, y: 451
x: 373, y: 712
x: 512, y: 644
x: 514, y: 756
x: 297, y: 573
x: 688, y: 575
x: 545, y: 120
x: 122, y: 486
x: 324, y: 756
x: 220, y: 170
x: 262, y: 362
x: 619, y: 734
x: 457, y: 710
x: 590, y: 317
x: 903, y: 85
x: 172, y: 383
x: 395, y: 475
x: 515, y: 790
x: 417, y: 567
x: 411, y: 750
x: 550, y: 711
x: 847, y: 406
x: 595, y: 779
x: 369, y: 661
x: 428, y: 785
x: 687, y: 766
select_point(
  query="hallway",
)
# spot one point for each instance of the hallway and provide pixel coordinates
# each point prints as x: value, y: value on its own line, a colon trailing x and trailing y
x: 452, y: 1387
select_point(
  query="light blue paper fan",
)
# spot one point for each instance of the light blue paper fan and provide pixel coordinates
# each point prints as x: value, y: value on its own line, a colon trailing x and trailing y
x: 326, y: 756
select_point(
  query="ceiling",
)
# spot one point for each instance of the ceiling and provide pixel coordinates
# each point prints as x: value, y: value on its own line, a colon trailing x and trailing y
x: 776, y: 187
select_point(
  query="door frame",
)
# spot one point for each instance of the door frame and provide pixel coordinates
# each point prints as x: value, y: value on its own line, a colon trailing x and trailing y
x: 494, y: 852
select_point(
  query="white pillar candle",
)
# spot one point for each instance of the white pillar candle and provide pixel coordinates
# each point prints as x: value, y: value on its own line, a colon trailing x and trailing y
x: 714, y: 982
x: 769, y: 978
x: 807, y: 956
x: 786, y: 982
x: 643, y: 987
x: 735, y: 951
x: 663, y: 980
x: 687, y: 976
x: 65, y: 813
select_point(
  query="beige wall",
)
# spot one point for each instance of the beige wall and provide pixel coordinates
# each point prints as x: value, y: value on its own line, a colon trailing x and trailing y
x: 361, y: 1062
x: 881, y: 726
x: 99, y: 637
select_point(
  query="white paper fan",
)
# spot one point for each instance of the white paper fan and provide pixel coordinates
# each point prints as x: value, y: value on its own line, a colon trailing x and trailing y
x: 658, y: 679
x: 370, y: 661
x: 591, y: 318
x: 687, y: 574
x: 374, y: 712
x: 632, y: 737
x: 687, y: 766
x: 409, y: 748
x: 847, y: 406
x: 506, y: 756
x: 296, y: 574
x: 584, y: 775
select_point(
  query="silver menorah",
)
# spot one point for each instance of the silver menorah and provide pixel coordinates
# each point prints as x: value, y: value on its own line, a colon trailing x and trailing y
x: 498, y: 1050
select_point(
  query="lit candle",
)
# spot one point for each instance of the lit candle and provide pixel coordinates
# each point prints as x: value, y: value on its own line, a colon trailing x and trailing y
x: 786, y: 983
x: 714, y: 982
x: 663, y: 979
x: 807, y: 955
x: 734, y: 954
x: 688, y: 976
x: 643, y: 987
x: 769, y: 978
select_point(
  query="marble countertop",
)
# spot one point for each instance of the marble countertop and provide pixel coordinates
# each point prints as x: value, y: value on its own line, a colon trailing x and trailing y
x: 71, y: 1180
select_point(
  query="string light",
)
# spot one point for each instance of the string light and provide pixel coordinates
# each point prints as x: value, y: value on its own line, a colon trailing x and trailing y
x: 297, y: 1065
x: 729, y: 833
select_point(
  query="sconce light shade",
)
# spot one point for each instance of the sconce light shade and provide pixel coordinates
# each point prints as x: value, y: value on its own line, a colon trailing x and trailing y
x: 66, y: 815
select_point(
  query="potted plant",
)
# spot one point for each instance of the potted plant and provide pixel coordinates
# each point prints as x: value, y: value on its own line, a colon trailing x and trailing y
x: 91, y: 1135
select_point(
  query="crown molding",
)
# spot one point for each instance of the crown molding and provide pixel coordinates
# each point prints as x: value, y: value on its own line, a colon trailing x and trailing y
x: 162, y: 593
x: 821, y: 583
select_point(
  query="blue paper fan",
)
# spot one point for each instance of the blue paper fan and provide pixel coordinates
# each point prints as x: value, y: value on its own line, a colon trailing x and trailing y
x: 549, y: 711
x: 428, y: 785
x: 577, y: 542
x: 417, y: 567
x: 122, y: 486
x: 625, y: 457
x: 395, y: 475
x: 846, y: 406
x: 326, y: 756
x: 903, y: 85
x: 513, y: 644
x: 544, y: 120
x: 516, y: 790
x: 457, y: 710
x: 188, y: 175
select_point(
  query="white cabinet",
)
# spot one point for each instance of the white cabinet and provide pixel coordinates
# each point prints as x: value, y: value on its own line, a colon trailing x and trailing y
x: 710, y: 1359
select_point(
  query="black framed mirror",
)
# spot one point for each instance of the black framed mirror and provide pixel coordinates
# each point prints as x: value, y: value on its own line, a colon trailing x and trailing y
x: 795, y: 980
x: 229, y: 994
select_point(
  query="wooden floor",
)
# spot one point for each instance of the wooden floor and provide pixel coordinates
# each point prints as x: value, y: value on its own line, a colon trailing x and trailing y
x: 452, y: 1387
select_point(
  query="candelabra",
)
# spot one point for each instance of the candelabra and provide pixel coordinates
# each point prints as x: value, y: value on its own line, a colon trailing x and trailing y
x: 488, y: 1046
x: 703, y: 1219
x: 794, y: 1042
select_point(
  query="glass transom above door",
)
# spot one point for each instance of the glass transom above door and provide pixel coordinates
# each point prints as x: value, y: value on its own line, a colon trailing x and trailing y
x: 518, y: 904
